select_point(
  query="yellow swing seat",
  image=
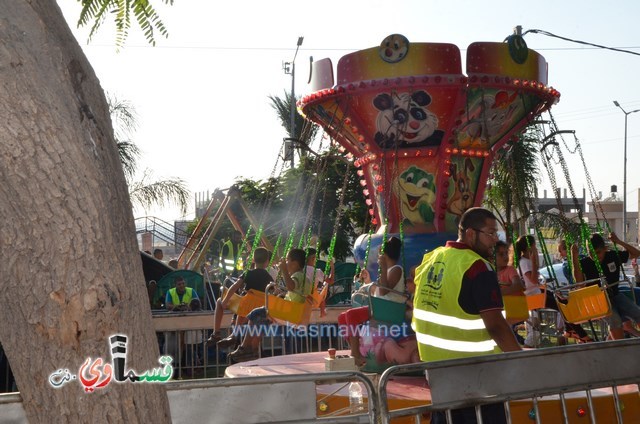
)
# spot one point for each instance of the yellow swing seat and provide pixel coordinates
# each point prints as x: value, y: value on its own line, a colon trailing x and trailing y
x: 516, y: 308
x: 242, y: 305
x: 286, y: 310
x: 537, y: 301
x: 585, y: 304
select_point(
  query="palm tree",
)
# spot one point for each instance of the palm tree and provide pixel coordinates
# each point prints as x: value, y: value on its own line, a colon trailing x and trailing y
x: 512, y: 188
x: 515, y: 175
x: 147, y: 191
x: 305, y: 131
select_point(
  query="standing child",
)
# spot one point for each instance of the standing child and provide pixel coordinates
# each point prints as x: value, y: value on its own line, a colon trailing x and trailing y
x: 509, y: 280
x: 526, y: 253
x: 193, y: 342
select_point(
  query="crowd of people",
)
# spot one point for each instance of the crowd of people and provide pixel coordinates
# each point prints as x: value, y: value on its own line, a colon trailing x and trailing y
x: 454, y: 298
x: 458, y: 314
x: 296, y: 273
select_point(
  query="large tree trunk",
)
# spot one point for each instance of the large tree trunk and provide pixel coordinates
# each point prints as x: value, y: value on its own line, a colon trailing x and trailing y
x: 70, y: 270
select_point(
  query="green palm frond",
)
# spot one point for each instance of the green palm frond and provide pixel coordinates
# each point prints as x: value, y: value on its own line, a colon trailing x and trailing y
x: 125, y: 121
x: 283, y: 110
x: 559, y: 222
x: 129, y: 154
x: 515, y: 176
x: 146, y: 193
x: 96, y: 11
x: 123, y: 114
x: 143, y: 193
x: 305, y: 130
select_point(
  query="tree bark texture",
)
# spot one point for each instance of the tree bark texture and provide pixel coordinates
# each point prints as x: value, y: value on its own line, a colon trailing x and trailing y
x: 70, y: 269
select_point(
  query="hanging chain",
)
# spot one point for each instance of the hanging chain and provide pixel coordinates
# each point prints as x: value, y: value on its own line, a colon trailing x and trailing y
x: 336, y: 225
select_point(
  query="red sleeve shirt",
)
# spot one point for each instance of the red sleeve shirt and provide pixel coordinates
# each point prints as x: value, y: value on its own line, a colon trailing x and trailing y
x: 480, y: 290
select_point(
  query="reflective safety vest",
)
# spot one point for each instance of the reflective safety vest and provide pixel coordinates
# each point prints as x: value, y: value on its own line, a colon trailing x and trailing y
x: 443, y: 329
x: 228, y: 262
x: 186, y: 297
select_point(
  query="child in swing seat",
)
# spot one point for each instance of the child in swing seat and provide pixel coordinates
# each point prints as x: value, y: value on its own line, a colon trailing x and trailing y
x: 257, y: 279
x: 527, y: 254
x: 391, y: 277
x: 298, y: 290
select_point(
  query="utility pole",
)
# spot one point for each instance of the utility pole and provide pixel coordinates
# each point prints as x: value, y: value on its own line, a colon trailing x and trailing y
x: 624, y: 181
x: 290, y: 68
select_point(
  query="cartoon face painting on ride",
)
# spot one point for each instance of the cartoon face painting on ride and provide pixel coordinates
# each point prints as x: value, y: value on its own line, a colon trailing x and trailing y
x: 421, y: 133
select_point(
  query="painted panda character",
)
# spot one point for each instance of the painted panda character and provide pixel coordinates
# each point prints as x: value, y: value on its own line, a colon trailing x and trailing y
x: 405, y: 121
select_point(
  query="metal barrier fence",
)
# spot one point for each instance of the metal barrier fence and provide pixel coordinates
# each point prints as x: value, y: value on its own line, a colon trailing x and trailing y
x: 282, y: 399
x: 529, y: 375
x: 184, y: 336
x: 546, y: 381
x: 269, y: 399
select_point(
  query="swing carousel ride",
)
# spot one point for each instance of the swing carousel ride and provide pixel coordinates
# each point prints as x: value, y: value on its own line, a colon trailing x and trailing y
x: 423, y: 136
x: 422, y: 133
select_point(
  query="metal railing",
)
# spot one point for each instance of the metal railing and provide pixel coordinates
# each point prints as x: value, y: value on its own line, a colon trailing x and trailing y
x: 535, y: 378
x: 184, y: 336
x: 270, y: 399
x: 266, y: 399
x: 527, y: 375
x: 161, y: 229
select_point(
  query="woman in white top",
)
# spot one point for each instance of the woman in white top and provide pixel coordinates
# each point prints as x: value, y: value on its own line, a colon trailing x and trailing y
x: 527, y: 254
x: 391, y: 273
x: 391, y: 277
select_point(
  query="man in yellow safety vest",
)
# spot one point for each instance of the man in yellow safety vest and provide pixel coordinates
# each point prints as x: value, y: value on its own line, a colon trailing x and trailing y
x: 458, y: 306
x: 179, y: 297
x: 229, y: 263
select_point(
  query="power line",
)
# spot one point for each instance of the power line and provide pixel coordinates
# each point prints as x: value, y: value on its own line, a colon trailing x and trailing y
x: 596, y: 109
x: 547, y: 33
x: 320, y: 49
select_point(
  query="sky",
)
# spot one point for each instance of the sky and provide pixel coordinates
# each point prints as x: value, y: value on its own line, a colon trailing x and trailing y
x: 201, y: 95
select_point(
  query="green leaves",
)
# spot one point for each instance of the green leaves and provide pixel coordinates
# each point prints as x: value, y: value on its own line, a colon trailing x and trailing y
x: 515, y: 175
x: 305, y: 131
x: 148, y: 20
x: 286, y: 200
x: 146, y: 192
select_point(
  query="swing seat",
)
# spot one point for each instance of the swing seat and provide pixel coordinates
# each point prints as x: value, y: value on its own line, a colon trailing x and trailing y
x: 536, y: 301
x: 585, y: 304
x: 242, y: 305
x: 319, y: 296
x: 384, y: 310
x: 627, y: 289
x: 633, y: 294
x: 516, y: 308
x: 360, y: 295
x: 285, y: 310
